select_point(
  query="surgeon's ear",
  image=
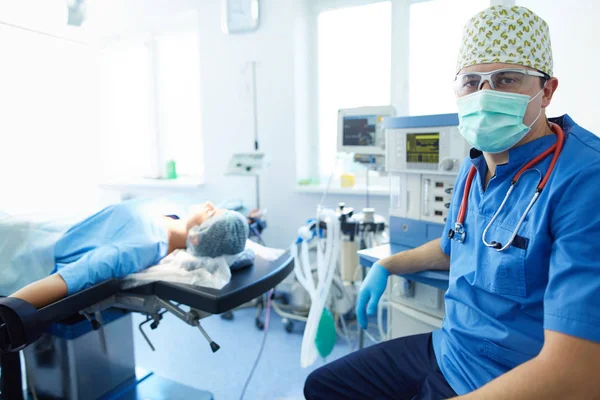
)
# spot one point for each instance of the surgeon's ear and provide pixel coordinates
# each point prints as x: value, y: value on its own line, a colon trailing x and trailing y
x: 549, y: 89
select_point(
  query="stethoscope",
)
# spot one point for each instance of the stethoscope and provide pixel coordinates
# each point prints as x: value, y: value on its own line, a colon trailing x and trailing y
x: 459, y: 233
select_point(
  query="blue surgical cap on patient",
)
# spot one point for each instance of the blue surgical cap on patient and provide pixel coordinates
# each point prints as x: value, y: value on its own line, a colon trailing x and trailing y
x: 220, y: 235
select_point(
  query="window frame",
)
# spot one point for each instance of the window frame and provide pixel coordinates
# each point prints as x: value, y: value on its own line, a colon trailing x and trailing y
x: 160, y: 158
x: 308, y: 152
x: 308, y: 135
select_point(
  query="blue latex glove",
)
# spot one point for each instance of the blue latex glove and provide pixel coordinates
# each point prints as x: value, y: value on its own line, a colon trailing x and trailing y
x: 370, y: 292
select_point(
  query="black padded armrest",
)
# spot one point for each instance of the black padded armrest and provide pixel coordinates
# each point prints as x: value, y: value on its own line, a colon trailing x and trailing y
x: 18, y: 324
x: 21, y: 324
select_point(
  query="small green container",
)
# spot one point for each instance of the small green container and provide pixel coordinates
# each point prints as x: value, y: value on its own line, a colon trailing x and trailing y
x: 171, y: 169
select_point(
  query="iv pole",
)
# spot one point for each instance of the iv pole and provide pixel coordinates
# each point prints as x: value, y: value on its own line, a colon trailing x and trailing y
x: 255, y: 118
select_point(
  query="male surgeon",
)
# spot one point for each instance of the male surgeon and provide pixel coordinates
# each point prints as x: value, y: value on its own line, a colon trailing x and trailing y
x: 523, y: 303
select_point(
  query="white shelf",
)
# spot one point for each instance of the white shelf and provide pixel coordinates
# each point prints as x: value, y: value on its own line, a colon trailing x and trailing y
x: 184, y: 183
x: 359, y: 190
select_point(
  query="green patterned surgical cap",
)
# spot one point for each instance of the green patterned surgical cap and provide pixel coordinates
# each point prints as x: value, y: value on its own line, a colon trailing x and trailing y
x: 506, y: 34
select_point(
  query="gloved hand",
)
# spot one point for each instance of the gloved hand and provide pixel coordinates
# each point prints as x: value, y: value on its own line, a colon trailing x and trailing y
x: 371, y: 290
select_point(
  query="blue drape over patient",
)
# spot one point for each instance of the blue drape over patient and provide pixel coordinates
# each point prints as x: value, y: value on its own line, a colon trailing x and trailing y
x: 119, y: 240
x: 27, y: 247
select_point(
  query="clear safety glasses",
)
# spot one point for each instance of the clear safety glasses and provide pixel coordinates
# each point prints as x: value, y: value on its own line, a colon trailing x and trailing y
x: 503, y: 80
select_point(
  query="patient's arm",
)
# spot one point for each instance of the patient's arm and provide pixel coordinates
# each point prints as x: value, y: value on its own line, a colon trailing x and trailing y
x: 43, y: 292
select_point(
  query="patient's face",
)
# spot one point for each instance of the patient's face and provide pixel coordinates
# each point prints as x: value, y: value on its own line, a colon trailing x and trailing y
x: 203, y: 212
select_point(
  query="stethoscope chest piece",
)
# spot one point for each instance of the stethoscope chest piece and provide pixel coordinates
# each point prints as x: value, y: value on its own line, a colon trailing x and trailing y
x: 458, y: 233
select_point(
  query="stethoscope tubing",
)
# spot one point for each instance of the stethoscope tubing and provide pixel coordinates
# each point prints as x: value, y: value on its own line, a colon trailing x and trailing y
x: 459, y: 233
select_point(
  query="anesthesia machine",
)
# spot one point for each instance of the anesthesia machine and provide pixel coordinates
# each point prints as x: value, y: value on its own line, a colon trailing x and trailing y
x: 423, y: 158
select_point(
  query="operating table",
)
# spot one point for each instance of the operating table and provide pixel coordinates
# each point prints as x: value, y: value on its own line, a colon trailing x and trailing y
x: 84, y: 325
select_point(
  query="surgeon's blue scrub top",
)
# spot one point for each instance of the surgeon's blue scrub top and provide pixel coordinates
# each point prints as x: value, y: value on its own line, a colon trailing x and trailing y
x: 119, y: 240
x: 499, y: 303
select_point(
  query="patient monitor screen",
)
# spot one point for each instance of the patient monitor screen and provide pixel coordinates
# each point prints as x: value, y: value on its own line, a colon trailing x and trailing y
x: 423, y: 148
x: 360, y: 130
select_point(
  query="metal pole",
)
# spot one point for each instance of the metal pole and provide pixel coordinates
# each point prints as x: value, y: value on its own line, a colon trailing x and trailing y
x: 255, y: 121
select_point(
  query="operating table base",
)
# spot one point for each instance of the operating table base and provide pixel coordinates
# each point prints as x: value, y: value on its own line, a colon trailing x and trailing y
x: 71, y: 362
x: 148, y: 386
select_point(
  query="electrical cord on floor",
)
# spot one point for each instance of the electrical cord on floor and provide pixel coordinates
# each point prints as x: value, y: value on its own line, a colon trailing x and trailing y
x: 262, y: 346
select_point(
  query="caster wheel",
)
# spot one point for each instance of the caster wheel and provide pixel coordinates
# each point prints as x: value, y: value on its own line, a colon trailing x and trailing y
x: 260, y: 325
x: 228, y: 316
x: 288, y: 325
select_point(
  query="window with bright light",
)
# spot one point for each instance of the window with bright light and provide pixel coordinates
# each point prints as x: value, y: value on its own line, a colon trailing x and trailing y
x: 435, y: 33
x: 130, y: 121
x: 154, y: 106
x: 354, y: 67
x: 178, y: 84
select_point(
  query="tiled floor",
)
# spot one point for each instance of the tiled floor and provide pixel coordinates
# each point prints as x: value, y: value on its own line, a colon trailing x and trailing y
x: 183, y: 355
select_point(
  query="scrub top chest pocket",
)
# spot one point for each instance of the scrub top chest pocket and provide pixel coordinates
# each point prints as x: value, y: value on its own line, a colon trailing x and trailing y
x: 503, y: 272
x: 498, y: 272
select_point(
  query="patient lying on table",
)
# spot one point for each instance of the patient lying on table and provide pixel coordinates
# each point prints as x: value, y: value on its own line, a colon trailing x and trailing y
x: 124, y: 239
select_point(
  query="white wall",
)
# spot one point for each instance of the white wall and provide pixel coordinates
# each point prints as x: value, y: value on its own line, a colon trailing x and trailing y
x: 574, y: 32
